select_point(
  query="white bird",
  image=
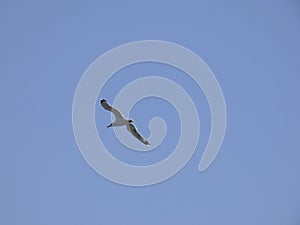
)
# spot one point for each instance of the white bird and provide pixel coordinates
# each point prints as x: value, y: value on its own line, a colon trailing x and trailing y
x: 121, y: 121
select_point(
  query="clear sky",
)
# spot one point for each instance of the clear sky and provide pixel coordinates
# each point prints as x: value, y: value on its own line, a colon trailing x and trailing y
x: 251, y: 46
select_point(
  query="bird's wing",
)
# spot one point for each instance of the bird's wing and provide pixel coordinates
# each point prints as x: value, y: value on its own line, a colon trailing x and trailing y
x: 106, y: 106
x: 132, y: 129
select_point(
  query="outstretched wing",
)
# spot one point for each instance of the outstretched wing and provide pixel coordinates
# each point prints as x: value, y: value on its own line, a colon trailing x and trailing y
x: 106, y: 106
x: 132, y: 129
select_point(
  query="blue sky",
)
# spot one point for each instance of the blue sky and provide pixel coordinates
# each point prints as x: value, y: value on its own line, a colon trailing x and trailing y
x: 251, y: 46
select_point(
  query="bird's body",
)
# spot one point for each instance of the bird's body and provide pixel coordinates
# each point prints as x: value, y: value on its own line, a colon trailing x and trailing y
x: 118, y: 123
x: 121, y: 121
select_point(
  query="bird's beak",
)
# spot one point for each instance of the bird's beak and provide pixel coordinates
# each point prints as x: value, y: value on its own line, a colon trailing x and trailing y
x: 109, y: 126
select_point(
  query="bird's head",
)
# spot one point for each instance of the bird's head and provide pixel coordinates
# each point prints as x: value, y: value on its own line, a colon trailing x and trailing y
x: 130, y: 121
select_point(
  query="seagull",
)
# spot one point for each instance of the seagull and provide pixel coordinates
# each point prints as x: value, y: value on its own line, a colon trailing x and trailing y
x: 121, y: 121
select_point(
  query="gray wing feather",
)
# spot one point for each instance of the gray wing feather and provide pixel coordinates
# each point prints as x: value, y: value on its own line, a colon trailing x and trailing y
x: 132, y: 129
x: 106, y: 106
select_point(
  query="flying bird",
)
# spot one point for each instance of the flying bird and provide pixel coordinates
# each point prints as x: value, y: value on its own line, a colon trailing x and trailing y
x: 121, y: 121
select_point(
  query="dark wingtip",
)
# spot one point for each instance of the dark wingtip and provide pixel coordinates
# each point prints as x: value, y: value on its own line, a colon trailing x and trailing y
x: 103, y: 100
